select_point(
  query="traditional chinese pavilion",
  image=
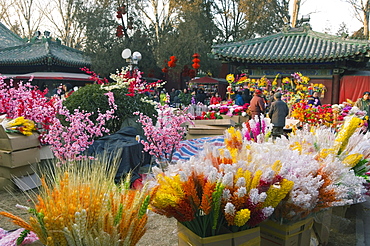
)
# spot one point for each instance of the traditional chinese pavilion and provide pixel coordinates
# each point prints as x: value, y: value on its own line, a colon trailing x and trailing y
x: 326, y: 59
x: 47, y: 61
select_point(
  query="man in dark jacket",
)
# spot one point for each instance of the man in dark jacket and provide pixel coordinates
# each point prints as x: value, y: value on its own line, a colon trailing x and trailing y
x: 257, y: 106
x: 277, y: 113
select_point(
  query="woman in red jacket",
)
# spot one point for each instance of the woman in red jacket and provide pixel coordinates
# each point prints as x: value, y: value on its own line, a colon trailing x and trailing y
x: 215, y: 99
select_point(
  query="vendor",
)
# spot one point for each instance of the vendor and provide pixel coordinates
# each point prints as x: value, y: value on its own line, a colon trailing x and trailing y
x: 314, y: 99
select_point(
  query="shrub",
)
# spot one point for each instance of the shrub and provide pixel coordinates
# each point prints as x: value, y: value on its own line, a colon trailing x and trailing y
x: 91, y: 98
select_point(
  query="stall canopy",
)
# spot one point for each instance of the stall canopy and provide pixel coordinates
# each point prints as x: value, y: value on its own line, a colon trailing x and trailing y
x: 208, y: 80
x: 220, y: 83
x: 352, y: 86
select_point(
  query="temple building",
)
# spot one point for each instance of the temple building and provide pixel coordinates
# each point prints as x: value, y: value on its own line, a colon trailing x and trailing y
x: 339, y: 63
x: 47, y: 61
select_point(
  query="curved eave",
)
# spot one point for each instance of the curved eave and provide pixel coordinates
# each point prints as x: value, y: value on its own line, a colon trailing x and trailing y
x: 42, y: 54
x: 289, y: 59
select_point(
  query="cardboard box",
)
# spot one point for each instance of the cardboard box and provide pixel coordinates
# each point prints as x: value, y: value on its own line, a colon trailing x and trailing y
x: 46, y: 153
x: 8, y: 172
x: 297, y: 234
x: 250, y: 237
x: 6, y: 184
x: 186, y: 237
x: 17, y: 141
x: 238, y: 119
x: 207, y: 130
x: 219, y: 122
x: 19, y: 158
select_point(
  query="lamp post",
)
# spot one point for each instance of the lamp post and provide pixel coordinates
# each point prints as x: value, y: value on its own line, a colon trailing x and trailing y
x: 131, y: 59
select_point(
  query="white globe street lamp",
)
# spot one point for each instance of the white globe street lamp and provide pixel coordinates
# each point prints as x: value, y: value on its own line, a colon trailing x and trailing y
x: 133, y: 58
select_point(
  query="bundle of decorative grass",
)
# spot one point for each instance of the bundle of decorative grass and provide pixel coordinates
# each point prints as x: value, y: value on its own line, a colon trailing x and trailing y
x: 79, y: 204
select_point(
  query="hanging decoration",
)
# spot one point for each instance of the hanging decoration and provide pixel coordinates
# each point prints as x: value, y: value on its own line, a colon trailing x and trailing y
x: 172, y: 61
x: 196, y: 61
x: 122, y: 29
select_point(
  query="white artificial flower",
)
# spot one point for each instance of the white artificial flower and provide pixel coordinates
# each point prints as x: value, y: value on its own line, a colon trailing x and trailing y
x: 241, y: 192
x: 230, y: 208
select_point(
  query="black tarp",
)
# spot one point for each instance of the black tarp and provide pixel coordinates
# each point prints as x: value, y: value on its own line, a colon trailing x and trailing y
x: 122, y: 142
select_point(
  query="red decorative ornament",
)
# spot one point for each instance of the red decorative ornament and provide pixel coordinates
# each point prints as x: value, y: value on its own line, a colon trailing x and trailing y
x: 172, y: 61
x: 165, y: 70
x: 195, y: 65
x: 119, y: 31
x: 196, y: 61
x: 121, y: 11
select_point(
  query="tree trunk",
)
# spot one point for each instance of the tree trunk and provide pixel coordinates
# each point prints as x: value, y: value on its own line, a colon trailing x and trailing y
x: 294, y: 18
x: 366, y: 23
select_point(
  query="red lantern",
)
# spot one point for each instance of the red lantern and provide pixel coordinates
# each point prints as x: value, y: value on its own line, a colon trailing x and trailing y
x: 172, y: 61
x: 196, y: 61
x: 119, y: 31
x: 165, y: 70
x: 195, y: 65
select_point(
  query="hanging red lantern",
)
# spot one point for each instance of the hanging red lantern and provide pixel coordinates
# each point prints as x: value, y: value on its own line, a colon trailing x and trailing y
x: 119, y: 31
x: 165, y: 70
x: 121, y: 11
x: 196, y: 61
x: 172, y: 61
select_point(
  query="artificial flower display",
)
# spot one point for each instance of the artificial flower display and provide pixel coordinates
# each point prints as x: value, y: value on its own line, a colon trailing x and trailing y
x: 211, y: 192
x: 212, y: 115
x: 257, y: 129
x: 229, y: 108
x: 131, y: 81
x: 163, y: 139
x: 81, y: 205
x: 20, y: 125
x: 328, y: 168
x: 328, y: 115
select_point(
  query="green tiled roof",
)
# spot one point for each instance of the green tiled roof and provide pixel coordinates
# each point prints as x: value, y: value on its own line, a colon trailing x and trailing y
x: 297, y: 45
x: 43, y: 52
x: 8, y: 38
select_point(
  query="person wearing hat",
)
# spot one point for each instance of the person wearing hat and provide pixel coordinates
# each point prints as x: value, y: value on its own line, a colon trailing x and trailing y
x: 277, y: 113
x: 363, y: 103
x: 257, y: 105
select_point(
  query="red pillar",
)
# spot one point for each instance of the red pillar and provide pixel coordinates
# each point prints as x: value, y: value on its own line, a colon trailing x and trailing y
x: 335, y: 89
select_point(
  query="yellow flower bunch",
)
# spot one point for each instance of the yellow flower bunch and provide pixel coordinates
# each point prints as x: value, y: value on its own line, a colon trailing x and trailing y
x: 262, y: 82
x: 346, y: 131
x: 305, y: 79
x: 21, y: 125
x: 81, y: 205
x: 286, y: 80
x: 352, y: 159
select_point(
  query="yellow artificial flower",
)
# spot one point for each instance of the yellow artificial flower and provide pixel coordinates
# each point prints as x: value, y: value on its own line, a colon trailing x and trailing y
x: 276, y: 166
x: 242, y: 217
x: 277, y: 192
x: 346, y: 131
x: 256, y: 179
x: 353, y: 159
x: 163, y: 200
